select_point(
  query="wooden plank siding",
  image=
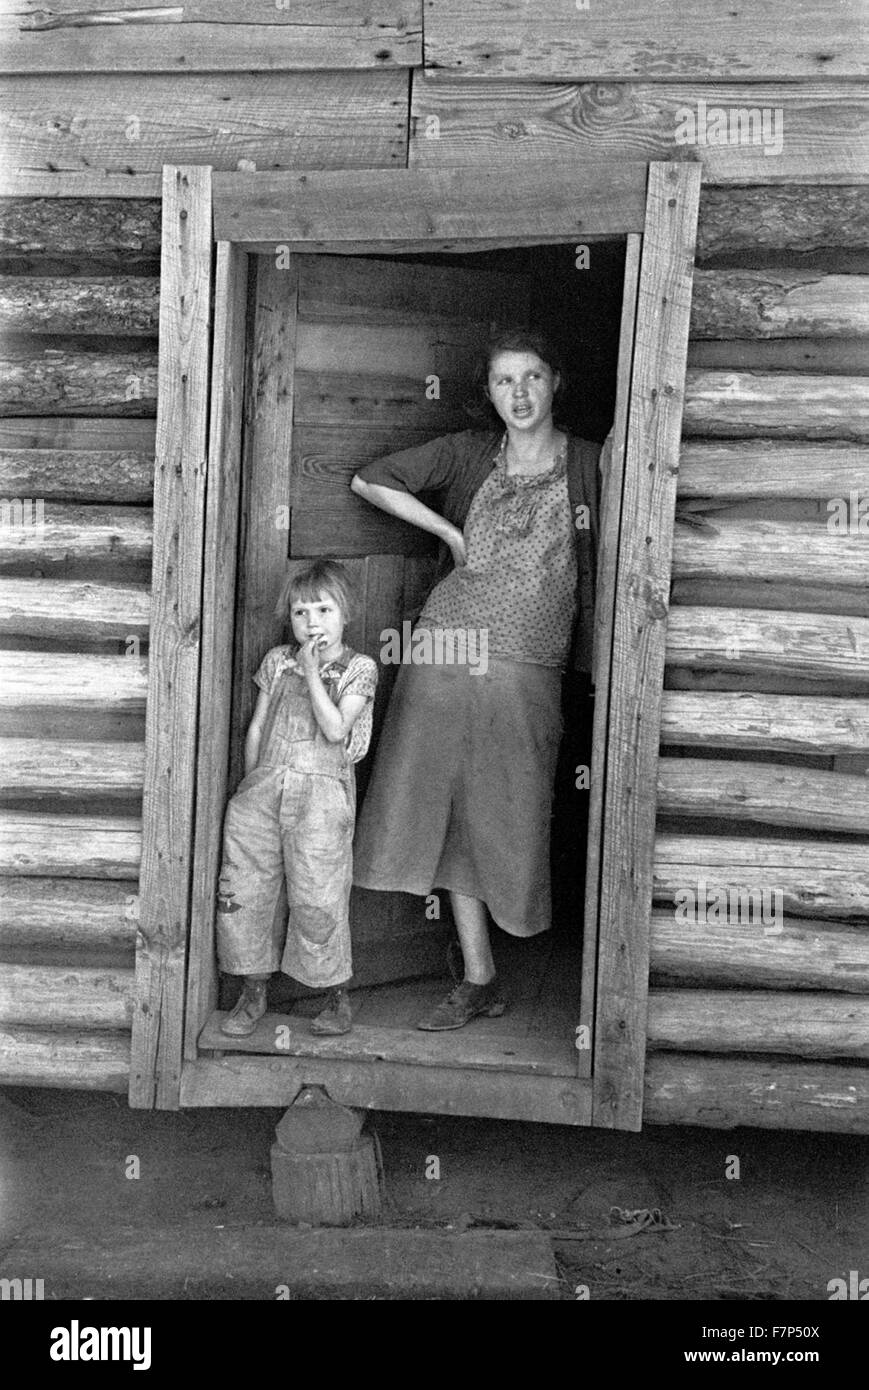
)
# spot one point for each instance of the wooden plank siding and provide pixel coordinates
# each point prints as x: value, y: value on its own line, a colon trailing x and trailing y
x: 463, y: 122
x: 176, y: 617
x: 677, y: 39
x: 209, y: 36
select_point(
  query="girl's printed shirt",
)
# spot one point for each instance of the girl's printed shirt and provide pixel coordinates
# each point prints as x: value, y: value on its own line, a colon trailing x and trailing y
x: 349, y: 674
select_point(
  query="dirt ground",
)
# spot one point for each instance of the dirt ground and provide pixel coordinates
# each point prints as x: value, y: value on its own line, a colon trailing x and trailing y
x: 796, y: 1216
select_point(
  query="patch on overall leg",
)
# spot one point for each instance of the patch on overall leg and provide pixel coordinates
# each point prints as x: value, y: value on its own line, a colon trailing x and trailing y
x: 314, y: 924
x: 226, y: 903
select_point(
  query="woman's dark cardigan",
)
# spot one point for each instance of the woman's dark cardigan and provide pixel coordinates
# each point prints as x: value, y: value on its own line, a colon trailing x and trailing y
x: 450, y: 470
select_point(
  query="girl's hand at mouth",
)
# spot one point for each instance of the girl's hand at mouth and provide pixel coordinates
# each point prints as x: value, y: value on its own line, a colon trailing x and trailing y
x: 309, y: 655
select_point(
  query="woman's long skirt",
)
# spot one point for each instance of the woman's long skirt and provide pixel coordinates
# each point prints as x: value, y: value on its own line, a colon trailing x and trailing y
x: 461, y: 791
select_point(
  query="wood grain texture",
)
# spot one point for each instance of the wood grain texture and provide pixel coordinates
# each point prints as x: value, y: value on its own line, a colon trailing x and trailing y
x: 77, y: 475
x: 767, y: 468
x: 807, y: 798
x: 57, y: 680
x: 66, y: 997
x: 408, y: 209
x: 74, y: 1058
x: 776, y: 723
x: 610, y: 525
x: 740, y: 404
x: 686, y: 40
x: 808, y: 1024
x: 218, y: 625
x: 63, y: 770
x: 175, y: 636
x: 77, y: 226
x: 76, y: 433
x: 756, y: 641
x: 62, y: 531
x: 814, y: 878
x: 460, y: 121
x: 65, y: 380
x: 767, y: 1093
x: 806, y: 954
x: 211, y: 36
x: 784, y: 304
x: 796, y: 552
x: 124, y: 305
x: 642, y: 586
x: 68, y: 914
x: 107, y: 124
x: 769, y: 219
x: 70, y: 611
x: 814, y: 356
x: 55, y: 844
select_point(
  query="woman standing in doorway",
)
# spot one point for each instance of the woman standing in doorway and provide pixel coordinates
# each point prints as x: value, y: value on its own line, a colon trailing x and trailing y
x: 461, y: 792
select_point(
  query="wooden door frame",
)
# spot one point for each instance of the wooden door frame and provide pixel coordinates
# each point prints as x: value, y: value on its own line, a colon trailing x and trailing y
x: 400, y: 212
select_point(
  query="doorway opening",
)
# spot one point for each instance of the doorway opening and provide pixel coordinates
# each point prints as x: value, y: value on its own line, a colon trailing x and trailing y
x: 382, y: 350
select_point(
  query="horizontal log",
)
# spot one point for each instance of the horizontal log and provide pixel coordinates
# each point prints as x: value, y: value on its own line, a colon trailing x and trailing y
x: 58, y: 680
x: 78, y: 226
x: 214, y: 35
x: 66, y: 997
x: 116, y: 306
x: 409, y: 209
x: 707, y: 545
x: 65, y: 381
x: 744, y: 404
x: 781, y: 597
x: 775, y: 723
x: 809, y: 356
x: 685, y: 41
x: 767, y: 468
x: 53, y: 533
x: 767, y: 792
x: 789, y: 217
x: 798, y: 877
x: 761, y: 1093
x: 800, y: 1025
x: 107, y: 123
x: 778, y: 304
x: 91, y: 1061
x: 58, y: 768
x: 66, y: 609
x: 804, y: 955
x: 69, y: 914
x: 55, y: 845
x: 74, y: 475
x: 783, y: 644
x: 112, y: 434
x: 509, y: 125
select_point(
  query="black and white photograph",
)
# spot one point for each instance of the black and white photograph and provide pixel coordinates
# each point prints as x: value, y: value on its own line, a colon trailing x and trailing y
x: 434, y: 670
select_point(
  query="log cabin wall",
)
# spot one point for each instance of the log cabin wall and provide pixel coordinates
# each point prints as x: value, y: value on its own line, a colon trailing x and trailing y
x: 767, y: 641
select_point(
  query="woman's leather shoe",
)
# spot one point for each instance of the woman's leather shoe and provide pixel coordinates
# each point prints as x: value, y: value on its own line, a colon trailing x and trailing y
x: 466, y: 1002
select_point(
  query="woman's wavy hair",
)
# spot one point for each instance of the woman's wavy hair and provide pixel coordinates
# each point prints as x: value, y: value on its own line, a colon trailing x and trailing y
x: 515, y: 338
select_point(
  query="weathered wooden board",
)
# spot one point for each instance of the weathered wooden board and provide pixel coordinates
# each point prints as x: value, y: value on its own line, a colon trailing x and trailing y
x: 814, y: 356
x: 809, y: 798
x: 107, y: 124
x: 58, y: 680
x: 777, y: 723
x: 783, y: 597
x: 826, y: 878
x: 440, y: 298
x: 756, y: 641
x: 175, y: 636
x: 65, y: 609
x: 68, y: 913
x: 209, y: 36
x: 642, y: 586
x: 218, y: 618
x: 92, y: 1061
x: 122, y: 305
x: 77, y: 434
x: 799, y: 1025
x: 797, y: 552
x: 407, y: 209
x: 59, y: 532
x: 768, y: 1093
x: 767, y: 468
x: 804, y: 955
x: 64, y: 846
x: 783, y: 304
x: 66, y: 997
x: 60, y: 769
x: 66, y: 380
x: 77, y: 475
x: 341, y: 398
x: 821, y: 125
x: 739, y: 404
x: 683, y: 40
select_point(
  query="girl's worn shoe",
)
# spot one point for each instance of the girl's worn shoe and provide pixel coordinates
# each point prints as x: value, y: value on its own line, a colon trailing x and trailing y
x: 466, y: 1002
x: 248, y: 1011
x: 337, y: 1017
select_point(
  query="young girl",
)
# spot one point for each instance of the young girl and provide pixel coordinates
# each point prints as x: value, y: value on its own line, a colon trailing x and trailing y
x: 288, y: 832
